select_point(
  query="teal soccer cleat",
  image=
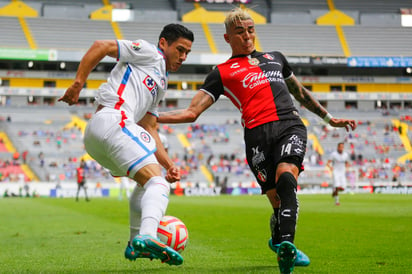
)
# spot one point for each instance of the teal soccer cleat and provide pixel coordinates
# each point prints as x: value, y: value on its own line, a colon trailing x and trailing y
x: 301, y: 258
x: 148, y: 245
x: 132, y: 255
x: 287, y: 254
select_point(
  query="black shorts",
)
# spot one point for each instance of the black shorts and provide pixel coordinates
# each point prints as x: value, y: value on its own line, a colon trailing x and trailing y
x: 269, y: 144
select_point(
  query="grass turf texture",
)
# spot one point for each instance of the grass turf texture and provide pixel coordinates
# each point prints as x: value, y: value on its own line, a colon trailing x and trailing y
x: 227, y: 234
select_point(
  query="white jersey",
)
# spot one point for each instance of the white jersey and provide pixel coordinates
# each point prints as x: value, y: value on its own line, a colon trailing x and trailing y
x: 339, y: 168
x: 339, y: 161
x: 138, y: 82
x: 135, y: 87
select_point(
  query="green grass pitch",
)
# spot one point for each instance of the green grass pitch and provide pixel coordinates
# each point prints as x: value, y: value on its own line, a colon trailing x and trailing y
x: 368, y: 233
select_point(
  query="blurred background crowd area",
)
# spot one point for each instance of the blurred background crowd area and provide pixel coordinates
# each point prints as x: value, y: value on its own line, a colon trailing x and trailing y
x: 354, y: 55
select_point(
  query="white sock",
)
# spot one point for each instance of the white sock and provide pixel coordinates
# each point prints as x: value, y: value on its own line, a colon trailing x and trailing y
x: 154, y: 203
x: 135, y: 211
x: 336, y: 199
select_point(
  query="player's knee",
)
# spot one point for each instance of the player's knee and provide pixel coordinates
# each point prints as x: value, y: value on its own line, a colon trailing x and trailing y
x: 286, y: 184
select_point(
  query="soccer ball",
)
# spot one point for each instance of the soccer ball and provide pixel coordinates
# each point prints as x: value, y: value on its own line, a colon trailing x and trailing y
x: 173, y: 232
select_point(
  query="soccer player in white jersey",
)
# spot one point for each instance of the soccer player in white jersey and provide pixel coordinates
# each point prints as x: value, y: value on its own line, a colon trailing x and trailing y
x: 122, y: 134
x: 124, y: 187
x: 338, y: 162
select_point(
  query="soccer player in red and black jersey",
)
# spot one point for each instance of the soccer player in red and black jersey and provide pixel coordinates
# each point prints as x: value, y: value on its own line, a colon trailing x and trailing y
x: 81, y: 180
x: 259, y: 84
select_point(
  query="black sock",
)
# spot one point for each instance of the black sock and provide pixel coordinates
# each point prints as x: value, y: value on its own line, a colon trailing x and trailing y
x: 274, y: 226
x: 286, y: 188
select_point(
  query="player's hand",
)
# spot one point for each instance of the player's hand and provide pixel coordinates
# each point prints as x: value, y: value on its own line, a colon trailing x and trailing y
x: 346, y: 123
x: 173, y: 174
x: 71, y: 96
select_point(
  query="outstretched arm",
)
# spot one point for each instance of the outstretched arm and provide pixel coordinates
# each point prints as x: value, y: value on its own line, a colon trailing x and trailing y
x: 304, y: 96
x: 200, y: 102
x: 93, y: 56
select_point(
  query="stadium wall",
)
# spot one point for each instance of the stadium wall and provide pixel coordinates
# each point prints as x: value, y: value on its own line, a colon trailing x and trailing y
x: 69, y: 190
x: 335, y: 101
x: 62, y: 79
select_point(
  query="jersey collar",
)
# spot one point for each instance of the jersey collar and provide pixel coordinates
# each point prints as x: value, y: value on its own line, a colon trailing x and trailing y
x: 243, y: 55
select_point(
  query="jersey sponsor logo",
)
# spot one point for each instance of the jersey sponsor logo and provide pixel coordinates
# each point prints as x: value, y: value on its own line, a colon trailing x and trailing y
x: 255, y: 79
x: 268, y: 56
x: 298, y: 151
x: 150, y: 84
x: 295, y: 144
x: 145, y: 137
x: 275, y: 63
x: 136, y: 46
x: 235, y: 65
x: 295, y: 140
x: 237, y: 71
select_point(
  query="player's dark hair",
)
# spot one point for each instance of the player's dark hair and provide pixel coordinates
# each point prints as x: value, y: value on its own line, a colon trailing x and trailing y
x: 172, y: 32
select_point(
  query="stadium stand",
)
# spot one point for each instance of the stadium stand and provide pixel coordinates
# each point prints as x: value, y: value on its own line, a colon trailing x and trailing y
x: 286, y: 6
x: 152, y: 5
x: 386, y: 41
x: 215, y: 153
x: 292, y: 40
x: 298, y: 36
x: 150, y: 32
x: 215, y: 150
x: 295, y: 12
x: 12, y: 34
x: 217, y: 31
x: 377, y: 7
x: 78, y: 34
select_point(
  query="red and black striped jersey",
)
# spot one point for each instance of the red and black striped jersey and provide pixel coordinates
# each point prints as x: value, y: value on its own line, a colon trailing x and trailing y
x: 256, y: 85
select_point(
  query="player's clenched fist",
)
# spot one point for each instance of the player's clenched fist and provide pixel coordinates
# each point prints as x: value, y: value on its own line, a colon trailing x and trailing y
x: 173, y: 174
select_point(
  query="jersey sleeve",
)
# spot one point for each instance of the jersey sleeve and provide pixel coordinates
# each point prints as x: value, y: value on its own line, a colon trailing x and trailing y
x: 138, y: 51
x: 286, y: 70
x: 154, y: 108
x: 213, y: 84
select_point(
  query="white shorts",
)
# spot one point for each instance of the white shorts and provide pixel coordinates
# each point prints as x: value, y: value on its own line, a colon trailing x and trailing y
x: 339, y: 180
x: 121, y: 149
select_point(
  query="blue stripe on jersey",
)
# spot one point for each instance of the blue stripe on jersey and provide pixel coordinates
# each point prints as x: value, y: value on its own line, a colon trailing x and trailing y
x: 137, y: 140
x: 161, y: 53
x: 126, y: 75
x: 121, y: 88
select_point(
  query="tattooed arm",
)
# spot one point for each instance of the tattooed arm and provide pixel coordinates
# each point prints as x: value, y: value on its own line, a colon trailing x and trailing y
x: 304, y: 96
x: 200, y: 102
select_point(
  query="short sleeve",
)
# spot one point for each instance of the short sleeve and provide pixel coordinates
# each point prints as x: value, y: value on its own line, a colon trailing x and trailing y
x: 138, y: 51
x: 286, y: 70
x: 213, y: 84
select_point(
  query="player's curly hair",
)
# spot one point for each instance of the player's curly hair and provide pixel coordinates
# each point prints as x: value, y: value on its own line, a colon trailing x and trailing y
x: 235, y: 15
